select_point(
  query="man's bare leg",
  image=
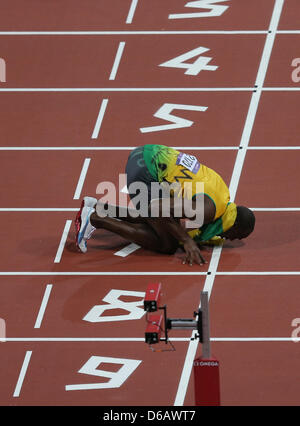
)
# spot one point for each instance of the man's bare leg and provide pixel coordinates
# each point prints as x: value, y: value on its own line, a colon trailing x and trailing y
x: 119, y: 212
x: 149, y: 233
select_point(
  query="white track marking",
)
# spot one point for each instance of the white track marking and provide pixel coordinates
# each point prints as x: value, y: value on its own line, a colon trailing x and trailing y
x: 63, y: 241
x: 255, y: 98
x: 195, y: 32
x: 130, y: 148
x: 274, y: 148
x: 142, y: 339
x: 43, y: 306
x: 142, y: 273
x: 116, y: 378
x: 193, y: 345
x: 126, y: 251
x: 191, y: 353
x: 132, y: 89
x: 81, y: 179
x: 117, y: 60
x: 131, y: 11
x: 275, y: 209
x: 38, y: 209
x: 280, y: 89
x: 22, y: 374
x: 214, y: 10
x: 99, y: 119
x: 288, y: 32
x: 109, y: 148
x: 45, y: 209
x: 175, y: 121
x: 192, y: 68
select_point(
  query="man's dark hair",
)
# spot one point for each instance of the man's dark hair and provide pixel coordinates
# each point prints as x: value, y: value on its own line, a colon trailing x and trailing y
x: 245, y: 219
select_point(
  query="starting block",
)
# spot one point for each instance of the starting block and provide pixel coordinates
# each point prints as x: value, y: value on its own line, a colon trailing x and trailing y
x: 206, y: 367
x: 154, y: 329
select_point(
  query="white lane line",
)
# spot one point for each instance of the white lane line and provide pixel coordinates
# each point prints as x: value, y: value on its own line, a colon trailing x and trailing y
x: 117, y: 60
x: 142, y: 273
x: 126, y: 251
x: 37, y: 209
x: 142, y: 339
x: 22, y: 374
x: 81, y: 179
x: 63, y: 241
x: 280, y: 89
x: 258, y: 273
x: 274, y: 148
x: 262, y: 71
x: 193, y: 345
x: 131, y: 89
x: 108, y: 148
x: 191, y: 352
x: 130, y: 148
x: 276, y: 209
x: 43, y: 306
x: 155, y: 32
x: 99, y: 119
x: 131, y: 11
x: 124, y: 190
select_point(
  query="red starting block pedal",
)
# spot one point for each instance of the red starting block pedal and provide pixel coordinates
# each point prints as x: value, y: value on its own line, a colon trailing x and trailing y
x: 154, y: 328
x: 152, y: 297
x: 207, y: 381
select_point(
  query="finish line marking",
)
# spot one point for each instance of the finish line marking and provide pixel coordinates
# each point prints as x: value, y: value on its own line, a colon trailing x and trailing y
x: 235, y: 178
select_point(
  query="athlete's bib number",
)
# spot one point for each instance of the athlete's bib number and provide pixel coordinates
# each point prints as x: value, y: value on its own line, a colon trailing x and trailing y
x: 189, y: 162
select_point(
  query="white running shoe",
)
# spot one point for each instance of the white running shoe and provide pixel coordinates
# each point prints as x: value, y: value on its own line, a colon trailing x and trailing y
x: 83, y: 226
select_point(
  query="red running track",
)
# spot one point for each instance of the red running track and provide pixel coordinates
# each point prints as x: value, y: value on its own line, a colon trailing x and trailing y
x: 71, y: 111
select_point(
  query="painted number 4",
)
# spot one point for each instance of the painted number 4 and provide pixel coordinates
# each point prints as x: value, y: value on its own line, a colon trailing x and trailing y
x: 192, y: 68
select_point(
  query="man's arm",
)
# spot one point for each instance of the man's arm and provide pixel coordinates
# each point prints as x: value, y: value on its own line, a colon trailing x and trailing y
x: 192, y: 251
x: 201, y: 209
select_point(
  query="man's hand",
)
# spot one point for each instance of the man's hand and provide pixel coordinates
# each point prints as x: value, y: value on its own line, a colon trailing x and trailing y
x: 192, y: 253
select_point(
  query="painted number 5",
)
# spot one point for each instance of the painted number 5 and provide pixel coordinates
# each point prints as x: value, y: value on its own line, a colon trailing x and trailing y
x: 176, y: 122
x: 213, y: 9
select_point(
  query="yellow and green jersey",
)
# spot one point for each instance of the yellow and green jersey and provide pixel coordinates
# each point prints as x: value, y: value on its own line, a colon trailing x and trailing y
x: 169, y: 165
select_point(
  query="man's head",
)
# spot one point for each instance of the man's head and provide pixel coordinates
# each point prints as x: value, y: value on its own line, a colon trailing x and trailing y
x: 243, y: 225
